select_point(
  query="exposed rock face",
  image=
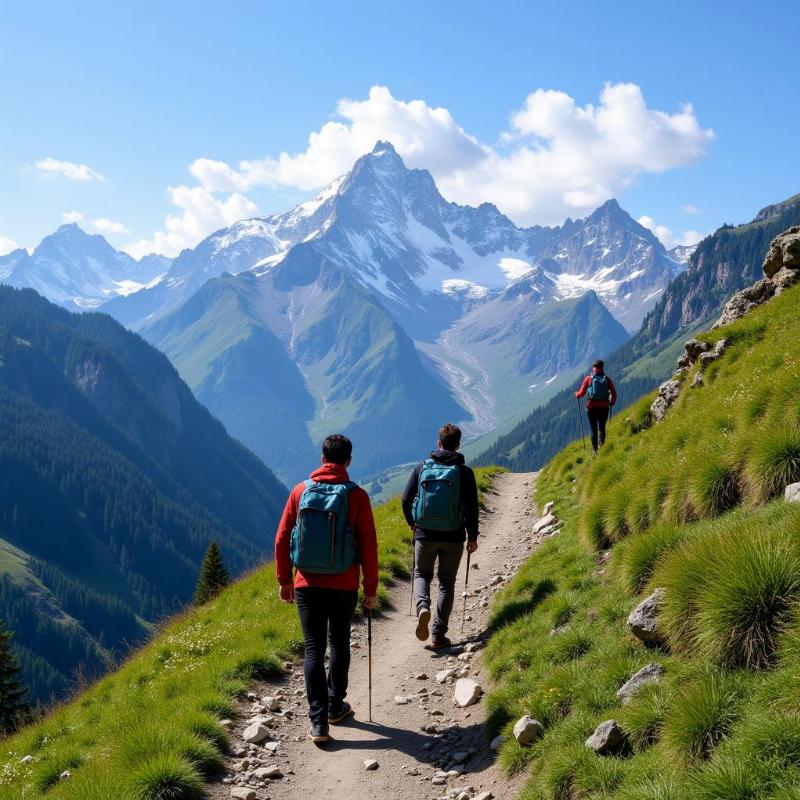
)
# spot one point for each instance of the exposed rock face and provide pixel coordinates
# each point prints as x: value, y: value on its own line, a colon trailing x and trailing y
x: 784, y: 251
x: 782, y: 270
x: 607, y: 739
x: 746, y: 300
x: 643, y: 620
x: 650, y: 674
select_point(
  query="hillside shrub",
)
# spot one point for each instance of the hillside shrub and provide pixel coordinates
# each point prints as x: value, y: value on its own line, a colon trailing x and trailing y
x: 703, y: 714
x: 640, y: 554
x: 167, y: 776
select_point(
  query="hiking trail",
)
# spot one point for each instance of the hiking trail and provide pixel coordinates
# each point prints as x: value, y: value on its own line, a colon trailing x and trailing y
x: 419, y: 736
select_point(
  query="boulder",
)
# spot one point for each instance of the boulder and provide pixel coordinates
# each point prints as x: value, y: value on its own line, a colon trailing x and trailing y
x: 667, y: 394
x: 697, y: 380
x: 467, y: 692
x: 243, y: 793
x: 370, y: 764
x: 792, y: 493
x: 784, y: 278
x: 270, y: 704
x: 548, y: 507
x: 527, y: 730
x: 273, y: 773
x: 255, y: 733
x: 545, y: 522
x: 497, y: 742
x: 484, y: 796
x: 26, y: 759
x: 607, y: 739
x: 784, y: 251
x: 650, y: 674
x: 643, y: 620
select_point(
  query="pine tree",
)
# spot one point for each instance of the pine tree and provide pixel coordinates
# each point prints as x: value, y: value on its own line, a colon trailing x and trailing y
x: 12, y: 692
x: 214, y: 576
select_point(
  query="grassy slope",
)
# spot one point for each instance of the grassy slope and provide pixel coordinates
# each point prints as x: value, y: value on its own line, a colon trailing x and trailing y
x: 689, y: 505
x: 153, y: 724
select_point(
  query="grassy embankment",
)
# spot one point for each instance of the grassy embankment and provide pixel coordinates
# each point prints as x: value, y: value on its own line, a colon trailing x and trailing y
x: 692, y: 504
x: 150, y: 730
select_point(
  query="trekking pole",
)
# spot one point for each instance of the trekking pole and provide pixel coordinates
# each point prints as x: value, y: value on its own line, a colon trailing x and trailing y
x: 465, y: 593
x: 580, y: 417
x: 369, y: 658
x: 413, y: 573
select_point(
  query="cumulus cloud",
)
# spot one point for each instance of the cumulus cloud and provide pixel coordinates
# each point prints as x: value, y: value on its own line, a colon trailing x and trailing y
x: 68, y: 169
x: 72, y: 216
x: 109, y: 226
x: 7, y: 245
x: 691, y: 209
x: 667, y: 237
x: 555, y: 159
x: 200, y: 213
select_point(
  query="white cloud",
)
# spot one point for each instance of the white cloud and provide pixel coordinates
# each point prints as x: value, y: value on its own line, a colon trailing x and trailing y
x: 691, y: 209
x: 68, y: 169
x: 7, y: 245
x: 201, y: 214
x: 557, y: 158
x: 72, y: 216
x: 667, y: 237
x: 109, y: 226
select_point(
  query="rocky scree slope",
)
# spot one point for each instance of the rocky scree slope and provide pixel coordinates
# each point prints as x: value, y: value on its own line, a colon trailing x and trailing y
x: 655, y: 638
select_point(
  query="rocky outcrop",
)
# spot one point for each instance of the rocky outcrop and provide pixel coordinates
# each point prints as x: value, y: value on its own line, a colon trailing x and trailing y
x: 781, y: 269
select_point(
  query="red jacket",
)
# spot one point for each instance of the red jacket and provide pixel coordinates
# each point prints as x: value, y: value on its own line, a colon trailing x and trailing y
x: 359, y: 515
x: 587, y: 382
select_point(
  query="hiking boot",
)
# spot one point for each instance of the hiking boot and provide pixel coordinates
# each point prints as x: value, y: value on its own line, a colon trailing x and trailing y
x: 318, y: 733
x: 423, y: 620
x: 339, y: 712
x: 440, y: 642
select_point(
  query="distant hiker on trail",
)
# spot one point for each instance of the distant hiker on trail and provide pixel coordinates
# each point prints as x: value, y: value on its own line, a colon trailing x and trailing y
x: 327, y: 535
x: 600, y: 396
x: 440, y: 504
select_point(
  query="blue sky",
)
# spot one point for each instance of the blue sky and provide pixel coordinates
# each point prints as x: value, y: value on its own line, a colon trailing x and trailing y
x: 124, y: 97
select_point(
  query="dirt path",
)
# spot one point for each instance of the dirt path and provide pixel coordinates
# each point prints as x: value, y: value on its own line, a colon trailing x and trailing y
x: 418, y: 733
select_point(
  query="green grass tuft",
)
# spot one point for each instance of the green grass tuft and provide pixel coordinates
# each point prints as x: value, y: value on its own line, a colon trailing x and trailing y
x: 775, y: 463
x: 166, y: 776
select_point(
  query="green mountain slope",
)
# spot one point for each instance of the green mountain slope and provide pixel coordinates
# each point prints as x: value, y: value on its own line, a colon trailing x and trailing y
x: 287, y: 357
x: 113, y: 480
x: 151, y: 730
x: 692, y: 505
x: 723, y: 263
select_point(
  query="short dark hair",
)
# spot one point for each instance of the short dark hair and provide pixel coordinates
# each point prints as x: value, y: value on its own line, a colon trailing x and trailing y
x: 600, y: 364
x: 450, y: 436
x: 337, y: 449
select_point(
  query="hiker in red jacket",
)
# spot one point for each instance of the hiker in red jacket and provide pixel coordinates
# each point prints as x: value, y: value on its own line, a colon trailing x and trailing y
x: 601, y: 396
x: 326, y: 600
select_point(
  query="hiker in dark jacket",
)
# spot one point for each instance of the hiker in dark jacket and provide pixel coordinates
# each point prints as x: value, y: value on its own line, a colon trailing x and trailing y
x: 600, y: 397
x: 326, y: 603
x: 439, y: 532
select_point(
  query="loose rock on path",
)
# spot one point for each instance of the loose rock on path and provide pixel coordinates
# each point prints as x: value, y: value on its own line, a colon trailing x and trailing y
x: 421, y: 743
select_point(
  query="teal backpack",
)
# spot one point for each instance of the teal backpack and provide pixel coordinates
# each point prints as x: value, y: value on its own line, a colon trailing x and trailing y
x: 598, y: 388
x: 322, y: 540
x: 437, y: 506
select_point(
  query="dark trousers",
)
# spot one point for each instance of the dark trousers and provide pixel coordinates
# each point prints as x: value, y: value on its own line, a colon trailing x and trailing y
x: 448, y: 556
x: 597, y: 422
x: 325, y: 618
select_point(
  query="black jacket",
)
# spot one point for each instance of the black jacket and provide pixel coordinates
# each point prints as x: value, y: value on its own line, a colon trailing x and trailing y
x: 469, y: 500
